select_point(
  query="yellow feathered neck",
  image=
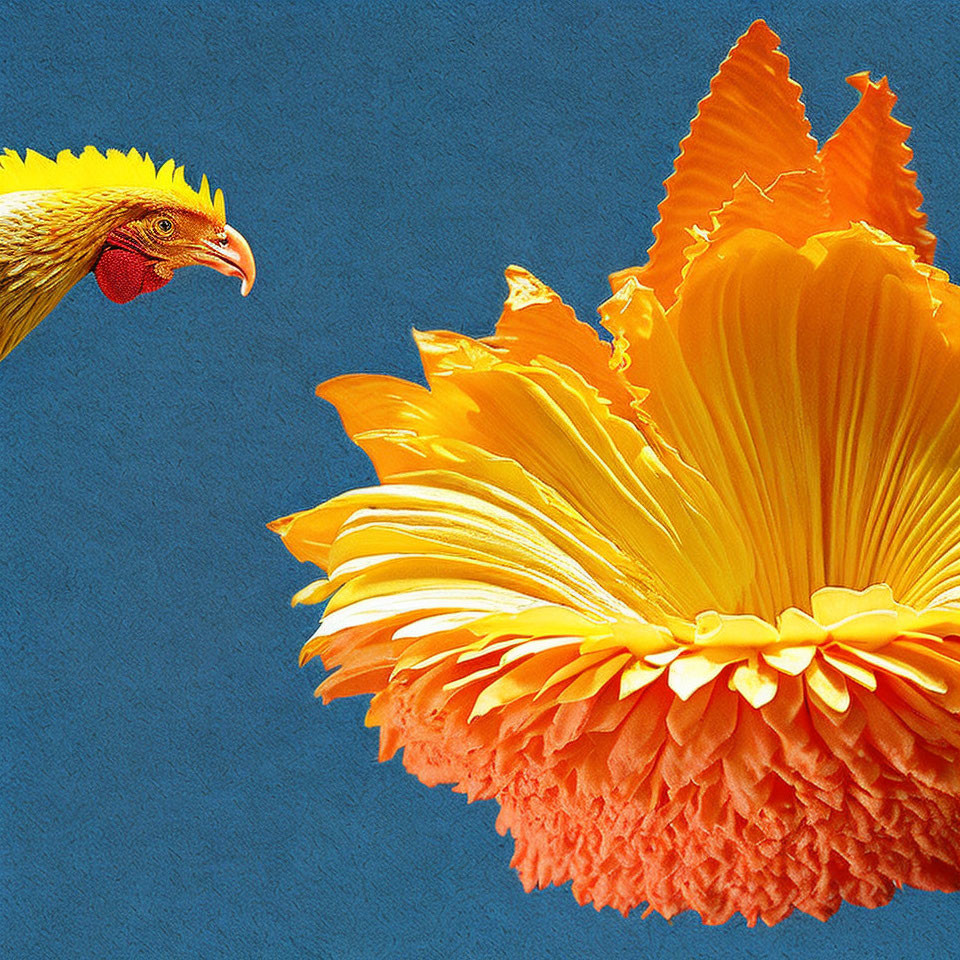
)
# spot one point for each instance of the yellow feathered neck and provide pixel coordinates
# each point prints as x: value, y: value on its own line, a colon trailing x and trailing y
x: 94, y: 171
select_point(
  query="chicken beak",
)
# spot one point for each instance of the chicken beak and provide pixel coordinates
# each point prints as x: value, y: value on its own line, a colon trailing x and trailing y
x: 233, y: 258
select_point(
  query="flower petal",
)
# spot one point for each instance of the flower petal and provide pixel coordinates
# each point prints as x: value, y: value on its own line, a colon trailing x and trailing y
x: 691, y: 672
x: 832, y: 383
x: 864, y: 164
x: 794, y: 207
x: 536, y: 323
x: 752, y: 122
x: 829, y: 685
x: 725, y: 390
x: 757, y: 684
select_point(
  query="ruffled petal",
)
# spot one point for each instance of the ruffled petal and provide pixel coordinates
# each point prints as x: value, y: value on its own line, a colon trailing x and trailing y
x: 865, y: 168
x: 752, y: 123
x: 793, y: 207
x: 536, y: 323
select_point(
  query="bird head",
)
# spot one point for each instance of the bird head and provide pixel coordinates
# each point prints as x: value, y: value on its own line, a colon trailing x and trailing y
x: 141, y: 253
x: 115, y: 214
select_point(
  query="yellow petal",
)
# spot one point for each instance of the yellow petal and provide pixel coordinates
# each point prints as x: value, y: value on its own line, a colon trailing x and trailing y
x: 856, y: 672
x: 788, y: 659
x: 757, y: 684
x: 521, y: 681
x: 537, y: 323
x: 694, y: 670
x: 636, y: 677
x: 589, y: 683
x: 577, y: 666
x: 829, y: 685
x: 730, y: 630
x: 833, y: 604
x: 898, y: 662
x: 315, y: 592
x: 798, y: 629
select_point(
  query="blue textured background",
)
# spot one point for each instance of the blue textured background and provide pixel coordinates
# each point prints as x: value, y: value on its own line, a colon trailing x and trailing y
x: 170, y: 788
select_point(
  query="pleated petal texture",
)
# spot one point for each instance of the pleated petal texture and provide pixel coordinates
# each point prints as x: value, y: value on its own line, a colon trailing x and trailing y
x: 686, y: 604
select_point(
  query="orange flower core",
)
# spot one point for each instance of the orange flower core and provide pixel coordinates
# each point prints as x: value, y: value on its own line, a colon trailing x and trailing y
x: 687, y: 604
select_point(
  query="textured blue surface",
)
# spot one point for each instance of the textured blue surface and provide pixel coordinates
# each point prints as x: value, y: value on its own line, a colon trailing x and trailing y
x: 170, y: 788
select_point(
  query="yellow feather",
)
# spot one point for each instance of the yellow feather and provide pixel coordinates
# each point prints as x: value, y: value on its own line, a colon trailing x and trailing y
x: 92, y: 170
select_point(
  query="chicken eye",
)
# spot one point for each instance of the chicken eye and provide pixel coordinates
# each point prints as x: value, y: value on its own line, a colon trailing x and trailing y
x: 164, y: 226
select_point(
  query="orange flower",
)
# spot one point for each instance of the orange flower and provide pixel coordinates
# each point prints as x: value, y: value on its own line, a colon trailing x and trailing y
x: 686, y: 605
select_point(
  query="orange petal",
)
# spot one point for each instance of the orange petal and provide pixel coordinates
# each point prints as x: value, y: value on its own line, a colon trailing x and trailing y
x: 864, y: 164
x: 377, y: 411
x: 794, y: 207
x: 751, y: 123
x: 536, y: 322
x: 526, y: 679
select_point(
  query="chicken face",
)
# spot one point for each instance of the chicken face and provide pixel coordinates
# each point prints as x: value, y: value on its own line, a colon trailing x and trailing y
x: 116, y: 215
x: 141, y: 254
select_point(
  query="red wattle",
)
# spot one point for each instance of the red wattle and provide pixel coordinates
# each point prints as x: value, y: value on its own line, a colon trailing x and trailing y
x: 124, y: 274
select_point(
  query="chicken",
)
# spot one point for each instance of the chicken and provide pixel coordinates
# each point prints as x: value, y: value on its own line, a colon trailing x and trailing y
x: 116, y: 216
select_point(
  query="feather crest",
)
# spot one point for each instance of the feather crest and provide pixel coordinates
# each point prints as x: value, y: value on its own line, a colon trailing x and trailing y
x: 92, y: 170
